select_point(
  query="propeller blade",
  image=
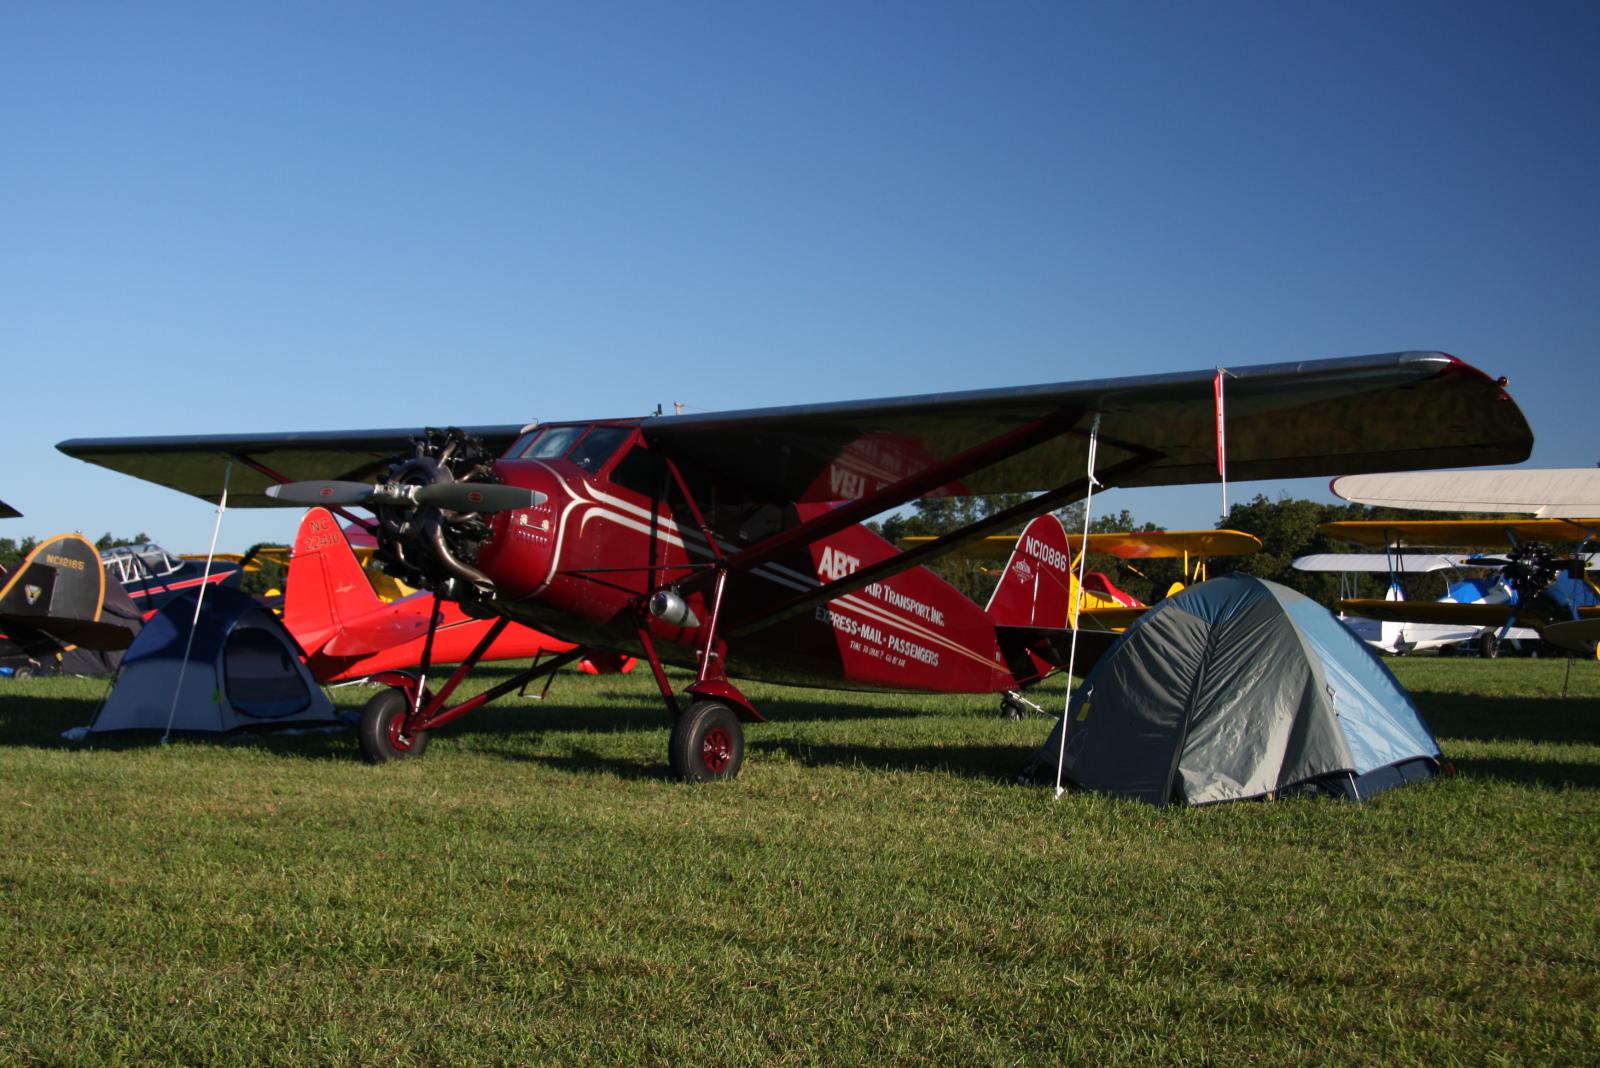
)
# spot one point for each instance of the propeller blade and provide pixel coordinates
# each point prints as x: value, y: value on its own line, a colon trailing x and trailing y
x: 478, y: 497
x: 334, y: 493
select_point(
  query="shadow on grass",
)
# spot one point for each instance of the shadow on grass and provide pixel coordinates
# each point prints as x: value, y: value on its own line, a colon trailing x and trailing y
x: 1488, y: 719
x: 1549, y: 774
x: 987, y: 763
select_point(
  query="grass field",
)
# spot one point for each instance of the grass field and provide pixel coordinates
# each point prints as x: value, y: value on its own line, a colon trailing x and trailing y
x: 871, y: 890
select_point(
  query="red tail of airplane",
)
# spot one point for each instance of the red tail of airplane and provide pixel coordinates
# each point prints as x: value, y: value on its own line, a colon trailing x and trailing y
x: 1035, y: 589
x: 326, y: 586
x: 347, y: 631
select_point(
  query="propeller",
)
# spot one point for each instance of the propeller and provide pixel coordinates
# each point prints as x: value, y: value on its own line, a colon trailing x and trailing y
x: 450, y: 496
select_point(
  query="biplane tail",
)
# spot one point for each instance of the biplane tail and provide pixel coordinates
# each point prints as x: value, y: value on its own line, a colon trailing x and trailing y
x: 326, y: 585
x: 1035, y: 589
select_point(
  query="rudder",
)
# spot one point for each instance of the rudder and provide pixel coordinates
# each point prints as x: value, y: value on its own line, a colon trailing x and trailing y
x: 1035, y: 589
x: 325, y: 581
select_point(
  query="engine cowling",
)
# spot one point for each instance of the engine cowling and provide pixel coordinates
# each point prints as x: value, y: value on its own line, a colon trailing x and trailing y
x: 430, y: 547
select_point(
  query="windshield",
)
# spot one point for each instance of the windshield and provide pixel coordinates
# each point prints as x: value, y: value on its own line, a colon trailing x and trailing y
x: 548, y: 444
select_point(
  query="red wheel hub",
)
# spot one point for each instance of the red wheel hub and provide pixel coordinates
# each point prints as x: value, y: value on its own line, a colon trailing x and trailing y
x: 716, y: 750
x: 397, y: 732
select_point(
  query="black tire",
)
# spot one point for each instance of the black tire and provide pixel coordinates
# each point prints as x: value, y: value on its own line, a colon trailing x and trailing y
x: 1488, y: 646
x: 707, y: 743
x: 381, y: 737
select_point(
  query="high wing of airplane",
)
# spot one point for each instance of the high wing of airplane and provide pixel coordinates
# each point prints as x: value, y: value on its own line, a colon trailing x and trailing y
x: 1102, y: 603
x: 348, y: 631
x: 56, y: 600
x: 1545, y: 493
x: 732, y: 543
x: 8, y: 512
x: 1534, y: 585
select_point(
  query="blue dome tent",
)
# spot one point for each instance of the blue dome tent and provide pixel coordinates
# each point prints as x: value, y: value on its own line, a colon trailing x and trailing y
x: 1238, y: 688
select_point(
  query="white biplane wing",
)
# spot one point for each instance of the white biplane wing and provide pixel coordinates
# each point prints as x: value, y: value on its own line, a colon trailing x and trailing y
x: 1549, y: 493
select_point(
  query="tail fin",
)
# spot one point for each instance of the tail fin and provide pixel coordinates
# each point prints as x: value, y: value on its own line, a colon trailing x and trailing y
x: 1035, y: 589
x: 325, y: 584
x: 60, y: 589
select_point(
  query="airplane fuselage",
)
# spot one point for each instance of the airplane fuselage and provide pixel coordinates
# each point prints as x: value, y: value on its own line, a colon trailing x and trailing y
x: 582, y: 565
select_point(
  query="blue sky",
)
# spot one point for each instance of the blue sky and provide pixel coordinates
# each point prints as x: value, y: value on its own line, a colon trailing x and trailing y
x: 312, y: 216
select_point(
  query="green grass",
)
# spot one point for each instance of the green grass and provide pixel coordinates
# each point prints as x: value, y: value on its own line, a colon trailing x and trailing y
x: 870, y: 890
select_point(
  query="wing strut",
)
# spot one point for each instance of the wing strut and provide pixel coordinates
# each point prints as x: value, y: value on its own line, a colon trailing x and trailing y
x: 1083, y: 563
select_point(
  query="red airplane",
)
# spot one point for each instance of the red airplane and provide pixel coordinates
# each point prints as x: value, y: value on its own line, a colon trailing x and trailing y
x: 731, y: 543
x: 348, y: 632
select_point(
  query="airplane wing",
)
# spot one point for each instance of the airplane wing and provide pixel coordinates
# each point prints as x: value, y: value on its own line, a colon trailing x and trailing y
x: 1577, y: 635
x: 1447, y: 612
x: 1374, y: 563
x: 1458, y: 533
x: 199, y: 464
x: 1362, y: 413
x: 1166, y: 544
x: 8, y: 512
x: 1553, y: 493
x: 1172, y: 544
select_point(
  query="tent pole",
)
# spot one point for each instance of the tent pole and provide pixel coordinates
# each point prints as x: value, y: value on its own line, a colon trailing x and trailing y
x: 1077, y: 597
x: 199, y: 602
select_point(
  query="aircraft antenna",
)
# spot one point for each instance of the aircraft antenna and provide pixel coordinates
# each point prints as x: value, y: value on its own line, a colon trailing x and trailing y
x: 199, y: 602
x: 1077, y: 594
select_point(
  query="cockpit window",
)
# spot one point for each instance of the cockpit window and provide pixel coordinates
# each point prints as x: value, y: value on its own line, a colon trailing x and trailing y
x: 599, y: 446
x: 550, y: 444
x: 520, y: 446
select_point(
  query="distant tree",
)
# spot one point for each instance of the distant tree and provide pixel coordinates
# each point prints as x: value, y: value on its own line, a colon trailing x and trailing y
x: 106, y: 541
x: 13, y: 553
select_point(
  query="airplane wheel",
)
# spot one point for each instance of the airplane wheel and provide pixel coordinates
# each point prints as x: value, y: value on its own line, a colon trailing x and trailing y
x: 707, y: 743
x: 1488, y: 647
x: 381, y: 735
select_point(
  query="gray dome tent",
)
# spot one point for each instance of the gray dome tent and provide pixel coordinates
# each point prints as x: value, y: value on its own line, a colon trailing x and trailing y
x: 1237, y: 688
x: 243, y: 671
